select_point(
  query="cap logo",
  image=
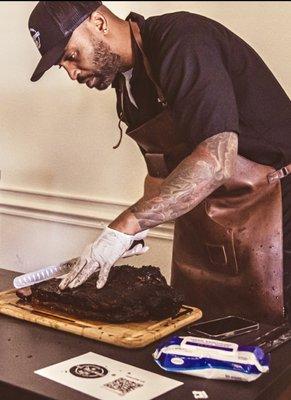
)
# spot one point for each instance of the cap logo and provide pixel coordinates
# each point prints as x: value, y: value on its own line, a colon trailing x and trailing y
x: 36, y: 37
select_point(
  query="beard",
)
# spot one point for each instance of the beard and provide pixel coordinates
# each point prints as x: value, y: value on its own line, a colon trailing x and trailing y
x: 106, y: 65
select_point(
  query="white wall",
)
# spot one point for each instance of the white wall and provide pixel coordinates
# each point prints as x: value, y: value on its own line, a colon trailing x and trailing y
x: 61, y: 180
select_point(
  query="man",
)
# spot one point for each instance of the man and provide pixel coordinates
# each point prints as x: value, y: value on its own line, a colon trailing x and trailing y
x: 213, y: 125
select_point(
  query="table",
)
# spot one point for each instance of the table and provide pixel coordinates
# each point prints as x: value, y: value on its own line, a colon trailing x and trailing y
x: 26, y: 347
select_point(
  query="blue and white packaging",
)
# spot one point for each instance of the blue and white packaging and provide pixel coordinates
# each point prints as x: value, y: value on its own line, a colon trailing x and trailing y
x: 212, y: 359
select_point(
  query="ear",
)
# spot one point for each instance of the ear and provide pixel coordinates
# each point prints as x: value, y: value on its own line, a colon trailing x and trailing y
x: 99, y: 22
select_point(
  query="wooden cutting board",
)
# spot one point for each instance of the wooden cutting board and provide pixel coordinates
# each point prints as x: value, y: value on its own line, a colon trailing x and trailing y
x: 130, y: 335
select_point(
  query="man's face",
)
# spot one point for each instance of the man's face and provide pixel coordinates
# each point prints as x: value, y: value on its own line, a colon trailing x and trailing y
x: 89, y: 59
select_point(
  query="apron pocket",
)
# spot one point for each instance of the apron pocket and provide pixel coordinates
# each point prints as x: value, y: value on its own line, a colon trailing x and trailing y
x: 219, y: 246
x: 205, y: 244
x: 217, y: 254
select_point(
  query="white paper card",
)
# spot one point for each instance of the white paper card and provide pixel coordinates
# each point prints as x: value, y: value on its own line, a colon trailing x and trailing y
x: 106, y: 379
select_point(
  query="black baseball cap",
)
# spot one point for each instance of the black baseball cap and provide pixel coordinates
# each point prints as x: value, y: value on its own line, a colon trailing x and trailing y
x: 51, y: 25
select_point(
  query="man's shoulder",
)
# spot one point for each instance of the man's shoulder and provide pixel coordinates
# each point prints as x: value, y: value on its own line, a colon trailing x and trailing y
x: 178, y: 27
x: 181, y: 21
x: 177, y: 15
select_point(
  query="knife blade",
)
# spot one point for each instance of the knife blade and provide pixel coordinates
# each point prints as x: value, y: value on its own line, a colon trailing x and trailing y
x: 273, y: 338
x: 273, y: 344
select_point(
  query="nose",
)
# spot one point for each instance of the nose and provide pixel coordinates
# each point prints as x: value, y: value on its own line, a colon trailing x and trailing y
x: 72, y: 72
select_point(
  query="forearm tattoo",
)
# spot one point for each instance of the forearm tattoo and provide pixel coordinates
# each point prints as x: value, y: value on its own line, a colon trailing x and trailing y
x: 198, y: 175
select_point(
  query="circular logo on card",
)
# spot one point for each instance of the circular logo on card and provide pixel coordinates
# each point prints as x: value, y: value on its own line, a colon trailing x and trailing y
x: 88, y: 371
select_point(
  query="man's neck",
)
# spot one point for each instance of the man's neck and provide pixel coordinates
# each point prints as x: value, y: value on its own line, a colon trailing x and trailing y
x: 126, y: 49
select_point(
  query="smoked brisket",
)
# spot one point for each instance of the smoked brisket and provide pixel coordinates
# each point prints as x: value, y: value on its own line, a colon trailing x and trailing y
x: 130, y: 294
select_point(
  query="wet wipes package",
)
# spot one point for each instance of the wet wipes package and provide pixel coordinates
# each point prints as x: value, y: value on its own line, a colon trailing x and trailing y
x: 212, y: 359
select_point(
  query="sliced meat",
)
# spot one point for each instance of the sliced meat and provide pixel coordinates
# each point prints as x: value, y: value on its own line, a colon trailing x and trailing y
x: 24, y: 293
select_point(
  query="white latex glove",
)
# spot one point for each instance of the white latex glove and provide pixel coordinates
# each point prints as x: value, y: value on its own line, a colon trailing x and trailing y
x: 100, y: 256
x: 137, y: 249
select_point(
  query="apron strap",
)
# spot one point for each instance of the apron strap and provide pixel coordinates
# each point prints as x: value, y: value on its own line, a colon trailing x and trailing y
x: 161, y: 98
x: 279, y: 174
x: 137, y: 36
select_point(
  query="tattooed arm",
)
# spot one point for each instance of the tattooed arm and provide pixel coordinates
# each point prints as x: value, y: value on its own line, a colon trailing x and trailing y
x: 198, y: 175
x: 152, y: 187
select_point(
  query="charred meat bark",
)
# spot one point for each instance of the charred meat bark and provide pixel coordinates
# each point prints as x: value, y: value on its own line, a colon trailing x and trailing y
x: 130, y: 294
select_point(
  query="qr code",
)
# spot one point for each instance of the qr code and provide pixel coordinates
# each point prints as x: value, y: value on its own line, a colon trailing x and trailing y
x: 122, y: 386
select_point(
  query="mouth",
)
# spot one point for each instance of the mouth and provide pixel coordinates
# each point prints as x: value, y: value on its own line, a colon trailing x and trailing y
x: 91, y: 82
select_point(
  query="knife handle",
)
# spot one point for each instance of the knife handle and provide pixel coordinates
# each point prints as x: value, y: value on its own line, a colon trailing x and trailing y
x: 42, y: 275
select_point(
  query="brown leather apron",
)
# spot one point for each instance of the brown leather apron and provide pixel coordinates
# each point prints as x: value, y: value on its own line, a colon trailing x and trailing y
x: 227, y: 251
